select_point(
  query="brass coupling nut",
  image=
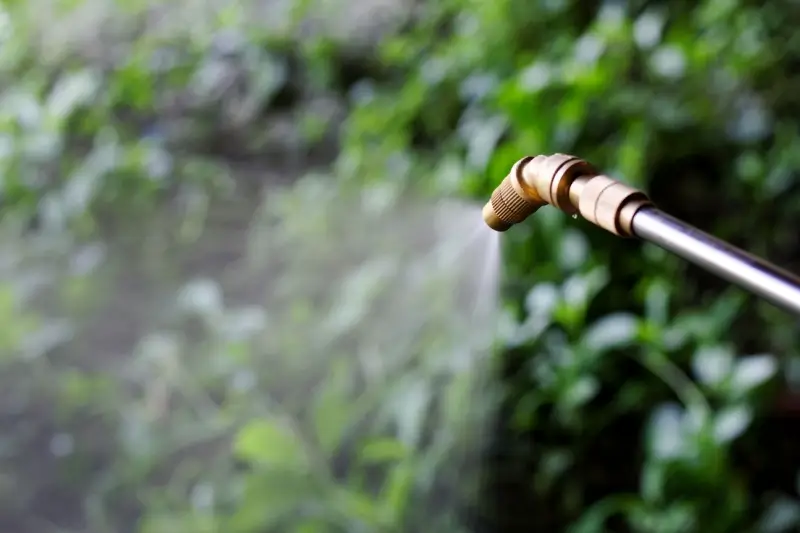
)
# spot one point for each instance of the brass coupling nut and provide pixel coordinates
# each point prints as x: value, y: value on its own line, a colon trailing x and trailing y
x: 568, y: 183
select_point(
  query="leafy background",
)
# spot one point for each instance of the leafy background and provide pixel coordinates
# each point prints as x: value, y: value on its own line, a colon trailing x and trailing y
x: 638, y: 394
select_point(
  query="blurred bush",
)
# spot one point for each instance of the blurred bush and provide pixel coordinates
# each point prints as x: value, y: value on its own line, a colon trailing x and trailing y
x: 639, y: 392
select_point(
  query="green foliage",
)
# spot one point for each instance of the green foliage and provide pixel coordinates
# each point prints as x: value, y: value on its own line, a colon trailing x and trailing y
x: 676, y: 97
x: 638, y: 392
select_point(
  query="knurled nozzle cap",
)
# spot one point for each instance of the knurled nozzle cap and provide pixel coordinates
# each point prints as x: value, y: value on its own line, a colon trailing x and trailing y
x: 492, y: 220
x: 507, y: 207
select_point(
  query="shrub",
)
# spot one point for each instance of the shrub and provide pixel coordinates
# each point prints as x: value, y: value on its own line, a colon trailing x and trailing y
x: 637, y: 390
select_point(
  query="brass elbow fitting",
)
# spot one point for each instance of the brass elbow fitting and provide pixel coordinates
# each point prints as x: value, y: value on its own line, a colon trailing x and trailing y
x: 568, y: 183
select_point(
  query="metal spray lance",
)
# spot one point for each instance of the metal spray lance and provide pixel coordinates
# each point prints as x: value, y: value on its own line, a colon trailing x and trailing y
x: 575, y: 187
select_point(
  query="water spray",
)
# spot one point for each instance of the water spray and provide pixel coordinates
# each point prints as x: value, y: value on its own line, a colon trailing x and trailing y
x: 575, y: 187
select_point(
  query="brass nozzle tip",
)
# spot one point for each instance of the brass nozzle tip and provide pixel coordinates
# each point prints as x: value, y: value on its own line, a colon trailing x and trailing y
x: 492, y: 220
x: 508, y: 206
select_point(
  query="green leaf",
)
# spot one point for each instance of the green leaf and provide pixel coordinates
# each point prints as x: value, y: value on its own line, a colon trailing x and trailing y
x: 653, y: 478
x: 611, y: 332
x: 71, y: 91
x: 581, y: 391
x: 712, y: 365
x: 752, y: 371
x: 542, y: 299
x: 732, y: 422
x: 396, y: 492
x: 267, y: 499
x: 310, y: 526
x: 358, y: 507
x: 677, y: 518
x: 593, y: 520
x: 332, y: 409
x: 667, y: 433
x: 270, y: 443
x: 196, y: 523
x: 578, y: 291
x: 782, y: 516
x: 383, y: 451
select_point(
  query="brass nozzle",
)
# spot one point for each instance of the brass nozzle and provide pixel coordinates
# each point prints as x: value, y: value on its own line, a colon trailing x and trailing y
x: 513, y: 200
x: 565, y: 182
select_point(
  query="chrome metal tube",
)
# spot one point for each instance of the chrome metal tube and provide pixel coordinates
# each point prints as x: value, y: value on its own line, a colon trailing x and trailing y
x: 737, y: 266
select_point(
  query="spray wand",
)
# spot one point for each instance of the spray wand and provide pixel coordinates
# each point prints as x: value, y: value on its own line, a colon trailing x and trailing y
x: 575, y: 187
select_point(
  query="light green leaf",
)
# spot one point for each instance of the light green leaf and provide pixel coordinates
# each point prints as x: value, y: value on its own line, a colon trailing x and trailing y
x: 752, y: 371
x: 383, y: 450
x: 160, y: 522
x: 667, y: 432
x: 310, y: 526
x: 396, y: 492
x: 269, y: 443
x: 332, y: 409
x: 542, y: 299
x: 273, y: 496
x: 610, y: 332
x: 579, y: 290
x: 72, y: 91
x: 651, y: 484
x: 581, y: 391
x: 712, y: 365
x: 357, y: 507
x: 731, y: 422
